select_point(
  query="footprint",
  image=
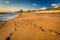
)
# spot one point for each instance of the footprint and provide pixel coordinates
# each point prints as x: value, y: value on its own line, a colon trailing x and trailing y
x: 0, y: 27
x: 15, y: 29
x: 10, y: 34
x: 40, y: 27
x: 55, y: 32
x: 50, y: 30
x: 8, y: 38
x: 35, y: 25
x: 42, y: 30
x: 58, y: 33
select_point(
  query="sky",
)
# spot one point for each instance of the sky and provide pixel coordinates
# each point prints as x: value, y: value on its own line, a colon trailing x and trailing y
x: 26, y: 4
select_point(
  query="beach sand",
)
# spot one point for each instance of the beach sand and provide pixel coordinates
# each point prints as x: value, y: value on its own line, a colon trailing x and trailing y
x: 32, y: 26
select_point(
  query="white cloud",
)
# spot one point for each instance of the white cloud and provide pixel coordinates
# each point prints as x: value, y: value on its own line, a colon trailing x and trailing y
x: 7, y: 2
x: 55, y: 5
x: 43, y: 8
x: 34, y: 4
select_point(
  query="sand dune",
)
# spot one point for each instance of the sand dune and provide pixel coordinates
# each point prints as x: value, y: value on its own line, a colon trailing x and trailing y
x: 32, y: 26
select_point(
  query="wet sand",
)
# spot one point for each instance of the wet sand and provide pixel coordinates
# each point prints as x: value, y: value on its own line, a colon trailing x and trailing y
x: 32, y: 26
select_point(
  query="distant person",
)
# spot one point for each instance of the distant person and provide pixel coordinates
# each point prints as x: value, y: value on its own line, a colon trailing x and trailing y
x: 21, y: 10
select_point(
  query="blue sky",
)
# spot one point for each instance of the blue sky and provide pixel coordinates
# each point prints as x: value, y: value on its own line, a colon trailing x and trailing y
x: 26, y: 4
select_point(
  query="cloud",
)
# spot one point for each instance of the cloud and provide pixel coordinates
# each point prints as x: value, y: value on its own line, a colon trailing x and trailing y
x: 34, y: 4
x: 55, y: 5
x: 43, y: 8
x: 7, y: 2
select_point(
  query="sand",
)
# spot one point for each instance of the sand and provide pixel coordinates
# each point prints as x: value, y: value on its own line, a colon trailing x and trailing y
x: 32, y: 26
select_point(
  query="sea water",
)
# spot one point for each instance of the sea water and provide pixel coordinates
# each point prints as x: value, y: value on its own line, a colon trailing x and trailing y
x: 7, y: 16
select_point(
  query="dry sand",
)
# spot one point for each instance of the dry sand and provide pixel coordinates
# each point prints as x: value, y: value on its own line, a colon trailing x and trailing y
x: 32, y: 26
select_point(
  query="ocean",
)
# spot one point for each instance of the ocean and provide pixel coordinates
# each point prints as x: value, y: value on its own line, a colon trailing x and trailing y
x: 7, y: 16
